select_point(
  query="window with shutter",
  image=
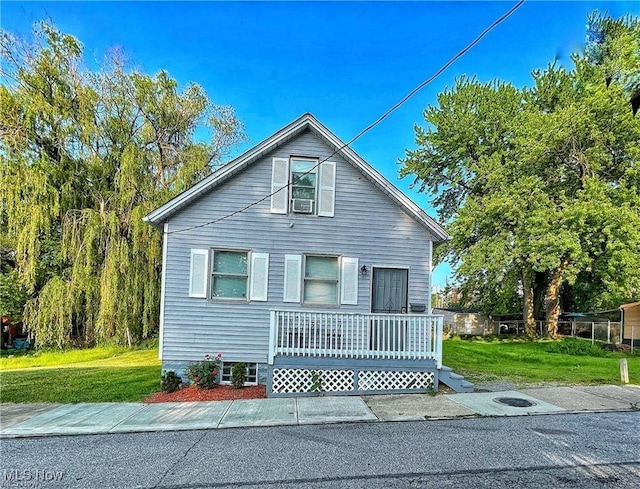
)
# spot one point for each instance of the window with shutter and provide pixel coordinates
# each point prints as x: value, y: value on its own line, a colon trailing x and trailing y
x: 320, y: 279
x: 300, y: 185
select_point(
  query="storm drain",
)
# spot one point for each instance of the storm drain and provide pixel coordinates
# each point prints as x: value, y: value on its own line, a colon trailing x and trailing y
x: 514, y: 402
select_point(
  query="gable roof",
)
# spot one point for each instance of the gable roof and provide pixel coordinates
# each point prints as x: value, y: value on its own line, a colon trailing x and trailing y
x: 307, y: 122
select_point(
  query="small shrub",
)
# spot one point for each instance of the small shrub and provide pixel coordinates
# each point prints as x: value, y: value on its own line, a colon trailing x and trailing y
x: 316, y: 381
x: 204, y: 373
x: 576, y: 346
x: 238, y: 375
x: 170, y: 381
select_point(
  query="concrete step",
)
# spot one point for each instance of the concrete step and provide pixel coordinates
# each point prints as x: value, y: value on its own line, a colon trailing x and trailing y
x: 456, y: 381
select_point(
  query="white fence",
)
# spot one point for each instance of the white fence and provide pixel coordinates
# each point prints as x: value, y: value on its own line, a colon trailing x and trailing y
x: 355, y: 335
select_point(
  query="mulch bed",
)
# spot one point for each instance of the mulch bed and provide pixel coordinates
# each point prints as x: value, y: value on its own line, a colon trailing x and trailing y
x: 218, y: 393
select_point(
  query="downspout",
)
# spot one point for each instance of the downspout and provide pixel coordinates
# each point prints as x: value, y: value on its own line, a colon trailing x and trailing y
x: 430, y: 250
x: 163, y: 282
x: 621, y: 325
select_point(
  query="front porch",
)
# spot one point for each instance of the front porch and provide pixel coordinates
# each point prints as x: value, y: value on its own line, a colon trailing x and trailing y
x: 311, y: 352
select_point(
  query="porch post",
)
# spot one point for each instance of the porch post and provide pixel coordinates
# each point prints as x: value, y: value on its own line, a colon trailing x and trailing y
x: 439, y: 342
x: 272, y: 335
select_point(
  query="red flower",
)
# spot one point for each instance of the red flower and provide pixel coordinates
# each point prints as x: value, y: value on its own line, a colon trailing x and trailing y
x: 219, y: 355
x: 214, y: 372
x: 197, y: 378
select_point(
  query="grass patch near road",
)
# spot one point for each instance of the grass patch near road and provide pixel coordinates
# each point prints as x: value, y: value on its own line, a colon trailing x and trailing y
x: 104, y: 374
x: 71, y: 385
x: 525, y: 362
x: 102, y: 356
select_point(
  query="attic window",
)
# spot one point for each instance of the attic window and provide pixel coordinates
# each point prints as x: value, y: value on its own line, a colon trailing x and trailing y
x: 303, y: 186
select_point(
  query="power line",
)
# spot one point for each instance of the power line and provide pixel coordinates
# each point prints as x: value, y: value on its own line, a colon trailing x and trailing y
x: 461, y: 53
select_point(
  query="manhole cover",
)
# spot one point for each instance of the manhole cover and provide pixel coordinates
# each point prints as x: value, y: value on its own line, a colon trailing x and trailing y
x: 514, y: 401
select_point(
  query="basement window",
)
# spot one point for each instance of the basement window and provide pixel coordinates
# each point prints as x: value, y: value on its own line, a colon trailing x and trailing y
x: 252, y: 373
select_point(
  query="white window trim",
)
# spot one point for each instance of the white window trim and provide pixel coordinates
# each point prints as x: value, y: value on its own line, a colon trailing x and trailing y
x: 212, y: 273
x: 316, y: 172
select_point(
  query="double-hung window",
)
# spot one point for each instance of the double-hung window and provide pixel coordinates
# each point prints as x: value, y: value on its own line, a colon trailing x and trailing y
x: 321, y: 275
x: 229, y: 274
x: 303, y: 185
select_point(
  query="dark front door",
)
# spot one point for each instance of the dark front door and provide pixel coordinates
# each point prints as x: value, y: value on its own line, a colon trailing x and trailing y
x: 389, y: 296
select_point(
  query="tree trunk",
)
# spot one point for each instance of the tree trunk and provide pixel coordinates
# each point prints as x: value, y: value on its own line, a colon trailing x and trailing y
x: 527, y: 313
x: 552, y: 298
x: 539, y: 289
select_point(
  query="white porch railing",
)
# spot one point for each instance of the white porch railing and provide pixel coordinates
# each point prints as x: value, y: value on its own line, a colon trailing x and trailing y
x: 355, y: 335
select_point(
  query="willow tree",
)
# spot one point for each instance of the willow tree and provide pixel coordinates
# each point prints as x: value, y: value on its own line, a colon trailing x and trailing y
x: 84, y: 155
x: 539, y: 187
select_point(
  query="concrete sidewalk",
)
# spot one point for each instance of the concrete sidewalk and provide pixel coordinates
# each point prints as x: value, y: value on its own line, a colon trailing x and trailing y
x: 29, y: 420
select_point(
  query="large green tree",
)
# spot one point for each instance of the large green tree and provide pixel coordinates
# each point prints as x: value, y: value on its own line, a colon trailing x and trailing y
x: 84, y: 155
x: 538, y: 186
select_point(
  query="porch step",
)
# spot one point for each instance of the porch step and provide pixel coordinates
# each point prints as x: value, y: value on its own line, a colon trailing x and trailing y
x: 454, y: 380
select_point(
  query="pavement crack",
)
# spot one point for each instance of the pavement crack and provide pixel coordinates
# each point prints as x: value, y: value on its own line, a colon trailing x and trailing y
x: 177, y: 462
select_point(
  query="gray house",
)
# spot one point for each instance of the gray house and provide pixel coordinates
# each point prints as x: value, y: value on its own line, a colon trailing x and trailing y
x: 301, y: 260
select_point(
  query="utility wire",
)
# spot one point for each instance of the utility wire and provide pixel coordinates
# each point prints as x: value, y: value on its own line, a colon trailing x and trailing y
x: 461, y: 53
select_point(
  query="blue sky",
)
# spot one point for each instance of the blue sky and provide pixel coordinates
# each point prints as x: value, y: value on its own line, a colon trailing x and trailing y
x: 345, y: 62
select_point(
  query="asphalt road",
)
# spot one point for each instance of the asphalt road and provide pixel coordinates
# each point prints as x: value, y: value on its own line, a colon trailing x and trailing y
x: 576, y: 451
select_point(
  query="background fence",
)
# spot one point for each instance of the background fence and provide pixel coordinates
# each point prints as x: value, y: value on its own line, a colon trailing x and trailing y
x: 607, y: 331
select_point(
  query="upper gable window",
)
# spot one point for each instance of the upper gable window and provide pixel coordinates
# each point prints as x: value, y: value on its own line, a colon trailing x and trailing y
x: 302, y: 185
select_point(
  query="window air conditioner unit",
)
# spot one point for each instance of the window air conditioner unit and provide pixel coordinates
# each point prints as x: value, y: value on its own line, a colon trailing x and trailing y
x: 302, y: 206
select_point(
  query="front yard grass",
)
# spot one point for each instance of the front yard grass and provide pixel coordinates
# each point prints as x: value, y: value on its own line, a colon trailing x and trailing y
x: 116, y: 374
x: 525, y: 362
x: 104, y: 374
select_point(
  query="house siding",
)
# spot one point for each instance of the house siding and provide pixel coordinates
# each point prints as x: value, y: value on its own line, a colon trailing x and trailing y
x: 367, y: 225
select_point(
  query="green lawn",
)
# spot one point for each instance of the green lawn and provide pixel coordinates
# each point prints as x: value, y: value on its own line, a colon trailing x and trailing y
x: 116, y: 374
x: 105, y: 374
x: 525, y: 362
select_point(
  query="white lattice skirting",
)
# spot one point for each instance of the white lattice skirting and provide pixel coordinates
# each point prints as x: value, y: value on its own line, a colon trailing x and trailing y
x: 292, y: 380
x: 383, y: 380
